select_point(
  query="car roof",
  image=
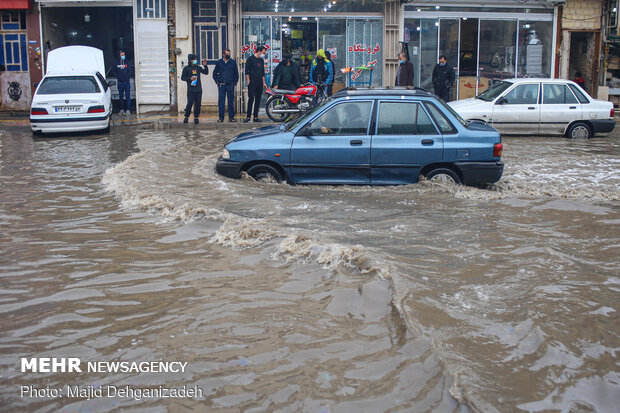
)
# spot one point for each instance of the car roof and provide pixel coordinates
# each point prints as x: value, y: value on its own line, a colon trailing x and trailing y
x: 383, y: 91
x: 537, y: 79
x: 71, y: 73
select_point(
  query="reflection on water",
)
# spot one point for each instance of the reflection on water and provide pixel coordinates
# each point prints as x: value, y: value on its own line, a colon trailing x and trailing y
x: 417, y: 298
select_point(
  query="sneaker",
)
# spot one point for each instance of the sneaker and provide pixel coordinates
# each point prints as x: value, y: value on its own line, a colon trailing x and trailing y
x: 246, y: 120
x: 195, y: 120
x: 185, y: 120
x: 232, y: 120
x: 127, y: 112
x: 121, y: 112
x: 257, y: 120
x: 220, y: 120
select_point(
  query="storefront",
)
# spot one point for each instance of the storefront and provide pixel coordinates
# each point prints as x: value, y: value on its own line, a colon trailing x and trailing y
x: 138, y: 27
x: 484, y: 44
x: 351, y: 31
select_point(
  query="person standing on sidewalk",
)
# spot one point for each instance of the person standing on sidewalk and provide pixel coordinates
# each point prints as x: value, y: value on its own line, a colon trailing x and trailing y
x: 255, y: 79
x: 443, y: 79
x: 322, y: 70
x: 191, y: 75
x: 226, y: 75
x: 123, y: 71
x: 404, y: 76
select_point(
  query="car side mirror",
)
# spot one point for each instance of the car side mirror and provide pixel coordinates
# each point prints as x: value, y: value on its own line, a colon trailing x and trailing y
x: 305, y: 131
x: 501, y: 101
x: 111, y: 82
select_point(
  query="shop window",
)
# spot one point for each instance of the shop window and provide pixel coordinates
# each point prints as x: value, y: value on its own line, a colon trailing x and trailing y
x: 151, y: 9
x: 535, y: 39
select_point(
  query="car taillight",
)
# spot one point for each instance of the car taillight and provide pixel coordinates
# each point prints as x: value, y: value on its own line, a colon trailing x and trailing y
x: 497, y: 150
x: 96, y: 109
x: 38, y: 111
x: 611, y: 113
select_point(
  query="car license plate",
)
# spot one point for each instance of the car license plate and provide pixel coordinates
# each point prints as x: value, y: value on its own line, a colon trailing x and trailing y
x: 64, y: 109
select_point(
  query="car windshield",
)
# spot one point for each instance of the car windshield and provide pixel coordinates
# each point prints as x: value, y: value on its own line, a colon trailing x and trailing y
x: 494, y: 91
x: 64, y: 85
x: 292, y: 124
x: 452, y: 111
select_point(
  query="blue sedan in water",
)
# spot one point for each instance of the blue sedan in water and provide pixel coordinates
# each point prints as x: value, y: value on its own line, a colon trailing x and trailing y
x: 371, y: 136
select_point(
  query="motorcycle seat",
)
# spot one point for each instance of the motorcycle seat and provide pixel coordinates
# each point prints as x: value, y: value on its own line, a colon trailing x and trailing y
x: 285, y: 91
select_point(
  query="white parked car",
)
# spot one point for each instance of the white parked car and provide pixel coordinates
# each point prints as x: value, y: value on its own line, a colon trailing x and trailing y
x: 539, y: 106
x: 73, y: 95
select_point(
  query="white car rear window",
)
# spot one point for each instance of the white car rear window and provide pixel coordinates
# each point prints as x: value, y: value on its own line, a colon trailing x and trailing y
x: 63, y: 85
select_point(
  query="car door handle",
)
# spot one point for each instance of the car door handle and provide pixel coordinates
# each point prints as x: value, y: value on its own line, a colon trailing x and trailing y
x: 427, y: 141
x: 572, y: 107
x: 356, y: 142
x: 531, y: 108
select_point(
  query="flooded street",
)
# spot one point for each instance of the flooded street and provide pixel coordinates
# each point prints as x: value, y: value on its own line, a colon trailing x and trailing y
x: 429, y: 297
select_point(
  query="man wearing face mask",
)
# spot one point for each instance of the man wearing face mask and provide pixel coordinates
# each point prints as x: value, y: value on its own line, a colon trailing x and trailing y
x: 322, y: 70
x: 123, y: 71
x: 404, y: 76
x: 226, y: 75
x: 191, y: 75
x: 443, y: 79
x: 286, y: 74
x: 255, y: 79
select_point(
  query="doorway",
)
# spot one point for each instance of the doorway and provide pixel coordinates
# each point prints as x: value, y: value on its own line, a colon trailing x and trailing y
x: 299, y: 39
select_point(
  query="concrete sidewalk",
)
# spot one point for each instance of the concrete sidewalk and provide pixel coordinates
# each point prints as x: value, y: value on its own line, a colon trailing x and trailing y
x: 155, y: 120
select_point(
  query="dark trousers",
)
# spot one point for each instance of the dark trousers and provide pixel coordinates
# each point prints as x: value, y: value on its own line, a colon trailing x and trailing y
x: 226, y: 92
x: 124, y: 95
x: 443, y: 93
x: 255, y: 93
x: 193, y: 99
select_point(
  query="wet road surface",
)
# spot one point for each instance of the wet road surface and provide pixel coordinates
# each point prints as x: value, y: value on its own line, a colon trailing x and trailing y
x: 426, y: 297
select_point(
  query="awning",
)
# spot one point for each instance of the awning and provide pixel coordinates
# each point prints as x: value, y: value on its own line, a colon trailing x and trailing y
x: 15, y: 4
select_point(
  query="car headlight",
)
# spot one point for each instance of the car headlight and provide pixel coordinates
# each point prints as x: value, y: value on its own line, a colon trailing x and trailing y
x: 225, y: 154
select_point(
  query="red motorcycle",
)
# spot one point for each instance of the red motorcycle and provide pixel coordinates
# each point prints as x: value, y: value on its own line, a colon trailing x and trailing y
x: 284, y: 103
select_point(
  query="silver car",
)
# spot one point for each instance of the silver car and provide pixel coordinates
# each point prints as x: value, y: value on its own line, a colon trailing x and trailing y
x: 539, y: 106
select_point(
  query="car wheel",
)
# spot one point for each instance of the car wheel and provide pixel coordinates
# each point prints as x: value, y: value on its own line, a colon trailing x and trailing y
x: 263, y: 172
x: 276, y: 103
x: 443, y: 175
x: 579, y: 130
x: 37, y: 133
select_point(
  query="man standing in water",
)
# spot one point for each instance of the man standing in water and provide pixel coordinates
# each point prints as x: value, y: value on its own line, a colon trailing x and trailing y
x: 191, y: 75
x: 255, y: 79
x: 443, y: 79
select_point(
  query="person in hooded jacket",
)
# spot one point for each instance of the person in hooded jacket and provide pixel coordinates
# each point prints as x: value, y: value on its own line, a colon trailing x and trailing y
x: 191, y: 75
x: 322, y: 70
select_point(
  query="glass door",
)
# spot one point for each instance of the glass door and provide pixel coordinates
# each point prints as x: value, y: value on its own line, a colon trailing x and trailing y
x: 468, y: 58
x: 497, y: 52
x: 449, y: 34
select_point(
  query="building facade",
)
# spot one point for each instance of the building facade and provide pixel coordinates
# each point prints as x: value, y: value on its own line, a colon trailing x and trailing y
x: 20, y: 54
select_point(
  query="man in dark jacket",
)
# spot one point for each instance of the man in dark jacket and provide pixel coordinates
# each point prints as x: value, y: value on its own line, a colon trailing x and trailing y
x: 123, y: 71
x: 286, y: 74
x: 404, y: 76
x: 255, y: 79
x: 226, y: 75
x: 443, y: 79
x: 191, y: 75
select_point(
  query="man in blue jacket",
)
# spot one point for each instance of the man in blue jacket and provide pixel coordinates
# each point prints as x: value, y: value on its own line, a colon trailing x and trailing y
x: 322, y: 70
x: 226, y: 75
x: 123, y: 71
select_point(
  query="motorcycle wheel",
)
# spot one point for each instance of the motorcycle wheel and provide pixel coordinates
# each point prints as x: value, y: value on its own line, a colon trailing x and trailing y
x: 272, y: 104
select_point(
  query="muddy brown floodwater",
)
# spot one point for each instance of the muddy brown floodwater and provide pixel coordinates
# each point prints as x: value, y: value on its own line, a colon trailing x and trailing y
x: 429, y: 297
